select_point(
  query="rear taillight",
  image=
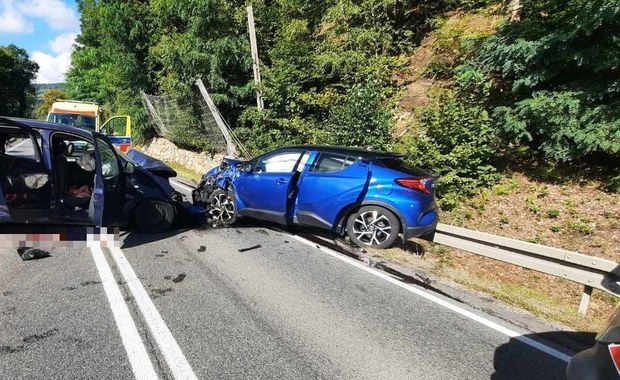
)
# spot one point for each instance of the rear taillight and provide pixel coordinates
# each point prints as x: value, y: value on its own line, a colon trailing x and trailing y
x: 614, y: 351
x: 419, y: 184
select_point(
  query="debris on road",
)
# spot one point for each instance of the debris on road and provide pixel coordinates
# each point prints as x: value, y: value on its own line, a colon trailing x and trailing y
x: 32, y: 253
x: 179, y: 278
x: 250, y: 248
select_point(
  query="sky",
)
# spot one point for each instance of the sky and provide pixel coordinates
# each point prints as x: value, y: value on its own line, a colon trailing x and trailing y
x: 46, y: 29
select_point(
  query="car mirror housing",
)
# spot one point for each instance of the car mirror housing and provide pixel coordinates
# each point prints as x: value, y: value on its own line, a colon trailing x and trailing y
x: 246, y: 167
x: 129, y: 167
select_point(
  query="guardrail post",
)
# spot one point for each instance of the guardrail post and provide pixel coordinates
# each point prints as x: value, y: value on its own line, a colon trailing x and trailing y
x: 585, y: 300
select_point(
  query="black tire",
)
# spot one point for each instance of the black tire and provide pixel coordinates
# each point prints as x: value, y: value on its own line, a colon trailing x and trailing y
x: 373, y: 226
x: 223, y: 208
x: 153, y: 216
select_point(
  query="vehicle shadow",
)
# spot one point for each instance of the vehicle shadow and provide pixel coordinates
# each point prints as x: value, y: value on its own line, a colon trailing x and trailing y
x: 132, y: 238
x: 517, y: 361
x: 410, y: 246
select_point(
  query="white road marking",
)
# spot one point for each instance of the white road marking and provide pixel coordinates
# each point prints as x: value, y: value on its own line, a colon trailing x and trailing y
x: 459, y: 310
x: 177, y: 362
x: 136, y: 351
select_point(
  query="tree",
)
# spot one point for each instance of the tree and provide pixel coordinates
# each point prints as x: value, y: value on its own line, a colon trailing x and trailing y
x: 48, y: 98
x: 558, y: 76
x: 110, y: 64
x: 17, y: 94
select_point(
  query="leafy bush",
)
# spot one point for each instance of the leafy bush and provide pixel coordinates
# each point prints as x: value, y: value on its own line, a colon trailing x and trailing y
x: 456, y: 140
x: 362, y: 120
x: 557, y: 76
x: 561, y: 125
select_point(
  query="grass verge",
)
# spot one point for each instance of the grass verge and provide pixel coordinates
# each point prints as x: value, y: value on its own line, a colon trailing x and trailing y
x: 183, y: 172
x: 545, y: 296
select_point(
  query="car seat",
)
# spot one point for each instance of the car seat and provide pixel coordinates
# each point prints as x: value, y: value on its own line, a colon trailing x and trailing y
x: 61, y: 165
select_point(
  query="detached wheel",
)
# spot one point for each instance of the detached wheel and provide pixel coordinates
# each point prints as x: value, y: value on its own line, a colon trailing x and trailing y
x: 223, y: 207
x: 154, y: 216
x: 373, y: 226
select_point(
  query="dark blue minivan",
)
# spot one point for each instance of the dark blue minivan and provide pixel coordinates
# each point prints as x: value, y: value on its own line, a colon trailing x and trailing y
x: 54, y: 174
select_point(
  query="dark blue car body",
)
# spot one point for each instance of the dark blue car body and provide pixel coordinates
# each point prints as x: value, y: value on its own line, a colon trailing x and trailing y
x: 118, y: 185
x: 323, y: 186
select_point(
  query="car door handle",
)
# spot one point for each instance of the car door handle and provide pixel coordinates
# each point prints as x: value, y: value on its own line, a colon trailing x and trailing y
x: 281, y: 181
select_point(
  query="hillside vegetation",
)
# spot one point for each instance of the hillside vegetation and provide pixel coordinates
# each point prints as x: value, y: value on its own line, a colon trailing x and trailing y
x: 543, y: 87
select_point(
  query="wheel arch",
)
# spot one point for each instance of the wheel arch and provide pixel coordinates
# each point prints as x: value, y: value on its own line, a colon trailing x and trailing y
x: 131, y: 218
x: 343, y: 215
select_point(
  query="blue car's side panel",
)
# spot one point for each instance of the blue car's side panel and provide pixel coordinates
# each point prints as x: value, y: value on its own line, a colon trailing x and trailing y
x: 98, y: 196
x: 415, y: 210
x: 322, y: 196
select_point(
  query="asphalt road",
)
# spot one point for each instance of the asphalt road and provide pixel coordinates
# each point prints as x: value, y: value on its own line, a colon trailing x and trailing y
x: 280, y: 309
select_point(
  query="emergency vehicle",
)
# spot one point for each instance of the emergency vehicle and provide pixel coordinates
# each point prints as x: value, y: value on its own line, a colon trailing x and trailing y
x: 90, y: 116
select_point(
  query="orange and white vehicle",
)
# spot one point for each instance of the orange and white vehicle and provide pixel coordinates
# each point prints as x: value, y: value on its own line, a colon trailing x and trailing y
x: 89, y: 115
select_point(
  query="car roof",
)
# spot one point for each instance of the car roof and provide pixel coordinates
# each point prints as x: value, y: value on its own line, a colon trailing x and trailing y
x: 350, y: 151
x: 38, y: 124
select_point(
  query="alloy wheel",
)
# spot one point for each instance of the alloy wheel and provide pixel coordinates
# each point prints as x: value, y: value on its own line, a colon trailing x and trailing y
x: 222, y: 207
x: 372, y: 227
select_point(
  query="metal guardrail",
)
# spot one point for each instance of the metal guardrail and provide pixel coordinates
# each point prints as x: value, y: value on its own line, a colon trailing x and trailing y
x: 592, y: 272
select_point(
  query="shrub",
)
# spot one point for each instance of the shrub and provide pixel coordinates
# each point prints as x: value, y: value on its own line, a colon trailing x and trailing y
x: 455, y: 140
x: 362, y: 120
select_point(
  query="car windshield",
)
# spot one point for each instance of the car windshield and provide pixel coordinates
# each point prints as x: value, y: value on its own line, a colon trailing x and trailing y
x: 75, y: 120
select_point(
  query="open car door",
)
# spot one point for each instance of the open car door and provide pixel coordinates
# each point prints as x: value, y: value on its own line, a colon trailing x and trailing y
x: 333, y: 181
x: 109, y: 189
x: 118, y: 131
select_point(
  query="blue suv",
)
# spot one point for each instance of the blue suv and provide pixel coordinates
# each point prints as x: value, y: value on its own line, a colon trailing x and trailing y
x: 371, y: 196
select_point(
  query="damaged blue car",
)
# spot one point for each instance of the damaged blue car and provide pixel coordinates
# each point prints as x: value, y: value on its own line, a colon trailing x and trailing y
x: 370, y: 196
x: 53, y: 174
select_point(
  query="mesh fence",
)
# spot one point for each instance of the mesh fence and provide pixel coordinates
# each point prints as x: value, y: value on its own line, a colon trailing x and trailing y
x: 186, y: 121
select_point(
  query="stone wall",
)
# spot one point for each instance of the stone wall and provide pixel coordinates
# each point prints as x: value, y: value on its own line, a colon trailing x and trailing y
x: 165, y: 150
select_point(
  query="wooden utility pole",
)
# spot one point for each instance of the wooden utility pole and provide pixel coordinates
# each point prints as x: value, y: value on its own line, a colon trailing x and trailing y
x: 255, y: 61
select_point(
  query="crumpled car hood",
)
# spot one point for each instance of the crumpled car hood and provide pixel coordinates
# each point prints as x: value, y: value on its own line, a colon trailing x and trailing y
x: 151, y: 164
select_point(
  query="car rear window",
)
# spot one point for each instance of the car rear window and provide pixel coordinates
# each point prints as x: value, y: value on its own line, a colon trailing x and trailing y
x: 400, y: 165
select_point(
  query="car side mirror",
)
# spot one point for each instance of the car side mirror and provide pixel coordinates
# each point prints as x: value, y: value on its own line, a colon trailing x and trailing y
x: 129, y: 167
x: 246, y: 167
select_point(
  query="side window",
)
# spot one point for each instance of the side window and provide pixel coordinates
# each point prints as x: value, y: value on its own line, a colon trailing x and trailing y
x: 20, y: 145
x: 331, y: 163
x: 115, y: 127
x: 109, y: 162
x: 278, y: 163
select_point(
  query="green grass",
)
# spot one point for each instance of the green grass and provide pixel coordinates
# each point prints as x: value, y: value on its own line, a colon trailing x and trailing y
x: 183, y: 172
x: 537, y: 302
